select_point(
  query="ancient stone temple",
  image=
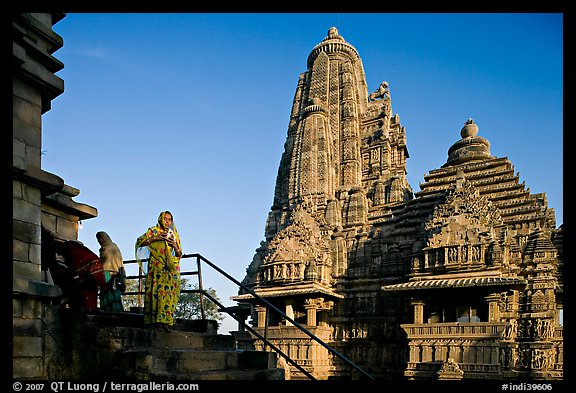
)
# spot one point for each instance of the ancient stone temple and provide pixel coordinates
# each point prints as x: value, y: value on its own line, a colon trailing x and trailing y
x: 460, y: 280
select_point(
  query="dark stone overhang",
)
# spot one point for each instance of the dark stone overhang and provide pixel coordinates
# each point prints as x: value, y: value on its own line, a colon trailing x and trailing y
x: 288, y: 291
x: 455, y: 283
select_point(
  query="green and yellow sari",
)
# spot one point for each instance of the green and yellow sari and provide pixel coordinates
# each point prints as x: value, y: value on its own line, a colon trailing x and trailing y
x: 162, y: 282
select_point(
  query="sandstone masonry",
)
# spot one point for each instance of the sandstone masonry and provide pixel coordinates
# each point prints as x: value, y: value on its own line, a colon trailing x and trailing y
x: 460, y: 280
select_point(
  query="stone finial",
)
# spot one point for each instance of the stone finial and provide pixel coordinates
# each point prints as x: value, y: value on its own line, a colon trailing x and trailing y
x: 470, y: 148
x: 470, y: 129
x: 333, y: 35
x: 332, y: 32
x: 333, y: 43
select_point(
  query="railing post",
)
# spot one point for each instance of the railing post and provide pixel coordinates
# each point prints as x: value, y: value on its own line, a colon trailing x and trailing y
x: 141, y: 297
x: 200, y: 286
x: 266, y: 322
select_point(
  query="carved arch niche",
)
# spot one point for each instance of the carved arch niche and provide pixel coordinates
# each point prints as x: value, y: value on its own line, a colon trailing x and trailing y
x: 460, y: 234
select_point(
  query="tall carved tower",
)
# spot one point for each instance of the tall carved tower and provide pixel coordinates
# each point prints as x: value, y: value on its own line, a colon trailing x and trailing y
x: 345, y: 155
x: 345, y: 150
x: 461, y: 280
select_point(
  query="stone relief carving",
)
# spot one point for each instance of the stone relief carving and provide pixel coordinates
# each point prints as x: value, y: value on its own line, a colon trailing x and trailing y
x: 297, y: 251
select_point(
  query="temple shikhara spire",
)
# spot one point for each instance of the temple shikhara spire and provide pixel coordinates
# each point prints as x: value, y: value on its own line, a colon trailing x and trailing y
x: 345, y: 149
x: 461, y: 279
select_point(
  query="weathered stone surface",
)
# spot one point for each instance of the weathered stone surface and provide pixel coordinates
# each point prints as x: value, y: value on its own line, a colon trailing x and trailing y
x: 461, y: 279
x: 38, y: 351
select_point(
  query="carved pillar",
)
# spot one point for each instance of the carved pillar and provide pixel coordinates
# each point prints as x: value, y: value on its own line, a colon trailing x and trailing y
x: 261, y: 311
x: 461, y: 352
x: 312, y: 354
x: 494, y: 354
x: 425, y: 261
x: 289, y: 311
x: 418, y: 310
x: 453, y: 351
x: 493, y: 309
x: 441, y: 352
x: 426, y: 352
x: 322, y: 312
x: 470, y: 352
x: 311, y: 306
x: 468, y: 253
x: 416, y: 355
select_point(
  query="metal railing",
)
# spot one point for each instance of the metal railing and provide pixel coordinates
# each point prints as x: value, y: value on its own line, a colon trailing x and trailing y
x: 140, y: 277
x: 202, y: 293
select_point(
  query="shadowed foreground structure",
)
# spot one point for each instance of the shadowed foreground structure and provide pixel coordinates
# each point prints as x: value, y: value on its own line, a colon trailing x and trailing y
x: 54, y: 337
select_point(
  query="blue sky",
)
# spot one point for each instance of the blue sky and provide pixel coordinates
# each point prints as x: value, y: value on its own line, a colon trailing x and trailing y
x: 189, y: 112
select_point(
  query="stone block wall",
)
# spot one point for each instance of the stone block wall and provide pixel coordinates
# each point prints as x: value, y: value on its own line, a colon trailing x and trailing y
x: 39, y: 198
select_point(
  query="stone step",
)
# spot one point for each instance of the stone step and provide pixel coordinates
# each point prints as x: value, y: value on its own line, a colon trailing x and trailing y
x: 158, y: 360
x: 272, y: 374
x: 128, y: 337
x: 127, y: 350
x: 129, y: 319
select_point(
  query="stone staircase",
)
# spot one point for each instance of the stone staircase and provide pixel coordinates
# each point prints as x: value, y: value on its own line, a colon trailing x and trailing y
x: 118, y: 346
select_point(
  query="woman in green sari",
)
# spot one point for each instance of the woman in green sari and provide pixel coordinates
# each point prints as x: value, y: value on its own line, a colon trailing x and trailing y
x: 161, y: 244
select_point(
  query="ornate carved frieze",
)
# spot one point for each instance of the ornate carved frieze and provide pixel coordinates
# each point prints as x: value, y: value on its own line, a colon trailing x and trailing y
x: 298, y: 252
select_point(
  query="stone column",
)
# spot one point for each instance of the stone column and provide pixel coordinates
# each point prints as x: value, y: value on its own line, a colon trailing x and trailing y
x: 289, y: 310
x: 494, y: 353
x: 322, y: 317
x: 426, y: 352
x: 414, y: 356
x: 480, y: 354
x: 261, y: 311
x: 466, y: 352
x: 311, y: 306
x: 493, y: 309
x: 442, y: 351
x: 418, y: 310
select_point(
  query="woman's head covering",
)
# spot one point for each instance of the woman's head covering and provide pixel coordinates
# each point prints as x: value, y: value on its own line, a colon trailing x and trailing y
x: 104, y: 237
x: 161, y: 220
x: 160, y: 250
x: 110, y: 254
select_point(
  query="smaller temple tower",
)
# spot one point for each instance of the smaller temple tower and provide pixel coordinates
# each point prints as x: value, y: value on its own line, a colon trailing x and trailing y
x: 481, y: 298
